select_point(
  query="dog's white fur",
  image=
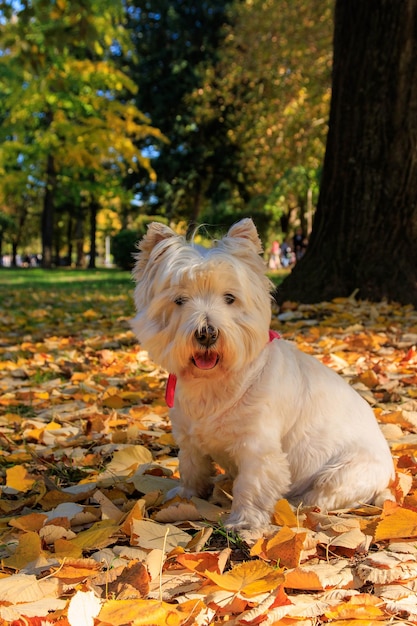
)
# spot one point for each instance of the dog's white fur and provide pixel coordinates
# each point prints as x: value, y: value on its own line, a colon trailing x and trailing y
x: 277, y: 420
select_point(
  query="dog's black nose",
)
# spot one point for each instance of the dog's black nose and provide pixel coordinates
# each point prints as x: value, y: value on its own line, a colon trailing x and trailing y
x: 206, y: 336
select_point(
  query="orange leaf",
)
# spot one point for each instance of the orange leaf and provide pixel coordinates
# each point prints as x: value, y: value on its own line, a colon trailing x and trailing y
x: 319, y: 576
x: 402, y: 523
x: 33, y: 521
x: 201, y: 562
x: 132, y: 582
x: 368, y: 378
x: 77, y: 572
x: 362, y: 606
x: 136, y: 512
x: 66, y: 549
x: 286, y: 547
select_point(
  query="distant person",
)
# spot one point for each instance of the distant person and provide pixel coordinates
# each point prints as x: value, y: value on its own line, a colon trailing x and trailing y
x: 299, y: 244
x: 275, y: 256
x: 287, y: 255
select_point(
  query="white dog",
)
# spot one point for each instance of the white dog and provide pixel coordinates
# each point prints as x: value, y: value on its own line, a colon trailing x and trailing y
x: 277, y: 420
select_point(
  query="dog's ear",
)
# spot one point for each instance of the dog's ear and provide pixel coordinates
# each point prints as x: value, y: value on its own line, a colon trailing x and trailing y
x: 246, y: 229
x: 156, y: 232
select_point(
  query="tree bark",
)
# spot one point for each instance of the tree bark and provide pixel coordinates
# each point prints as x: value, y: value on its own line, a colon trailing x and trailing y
x: 79, y: 241
x: 94, y: 207
x: 48, y: 214
x: 364, y: 234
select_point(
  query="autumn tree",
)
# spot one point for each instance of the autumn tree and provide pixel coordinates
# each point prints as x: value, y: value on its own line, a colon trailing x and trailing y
x: 271, y: 89
x: 175, y: 40
x: 62, y: 123
x: 242, y: 91
x: 365, y: 229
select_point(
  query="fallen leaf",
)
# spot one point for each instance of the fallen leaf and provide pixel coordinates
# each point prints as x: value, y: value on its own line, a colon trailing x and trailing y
x: 401, y: 523
x: 83, y: 608
x: 17, y: 478
x: 250, y: 578
x: 29, y: 549
x: 140, y: 612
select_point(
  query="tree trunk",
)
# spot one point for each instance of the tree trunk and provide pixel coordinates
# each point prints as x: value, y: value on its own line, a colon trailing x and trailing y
x: 48, y: 214
x: 79, y: 241
x: 94, y: 207
x: 14, y: 254
x: 365, y: 229
x: 69, y: 239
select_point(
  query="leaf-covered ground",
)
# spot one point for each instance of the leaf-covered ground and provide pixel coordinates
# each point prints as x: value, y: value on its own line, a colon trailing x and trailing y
x: 86, y: 456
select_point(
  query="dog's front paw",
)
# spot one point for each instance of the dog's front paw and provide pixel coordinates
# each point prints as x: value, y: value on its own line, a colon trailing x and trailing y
x: 252, y: 520
x: 181, y: 492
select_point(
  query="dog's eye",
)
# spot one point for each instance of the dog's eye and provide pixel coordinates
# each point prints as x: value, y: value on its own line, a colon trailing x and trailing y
x: 229, y: 298
x: 180, y: 300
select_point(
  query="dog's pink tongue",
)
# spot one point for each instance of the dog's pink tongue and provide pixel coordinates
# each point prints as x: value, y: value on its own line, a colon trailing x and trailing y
x: 205, y: 360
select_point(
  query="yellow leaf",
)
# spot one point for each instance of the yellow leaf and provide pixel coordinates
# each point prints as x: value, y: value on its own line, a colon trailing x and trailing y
x: 114, y: 402
x: 98, y: 536
x: 79, y: 376
x: 284, y: 515
x: 150, y: 535
x: 127, y: 460
x: 358, y: 622
x: 166, y: 439
x: 402, y: 523
x: 368, y: 378
x: 42, y: 395
x: 135, y: 513
x: 66, y: 549
x: 90, y: 314
x: 19, y: 479
x: 140, y: 613
x: 19, y: 457
x: 28, y: 550
x: 249, y: 578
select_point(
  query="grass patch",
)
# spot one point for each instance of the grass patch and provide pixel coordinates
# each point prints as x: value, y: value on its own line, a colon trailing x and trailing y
x: 278, y: 276
x: 79, y: 279
x: 62, y: 278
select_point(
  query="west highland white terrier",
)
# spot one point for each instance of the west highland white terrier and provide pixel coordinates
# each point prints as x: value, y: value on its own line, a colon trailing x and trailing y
x: 279, y: 422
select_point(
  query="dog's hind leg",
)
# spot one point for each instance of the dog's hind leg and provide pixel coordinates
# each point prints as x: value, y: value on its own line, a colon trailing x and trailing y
x: 353, y: 479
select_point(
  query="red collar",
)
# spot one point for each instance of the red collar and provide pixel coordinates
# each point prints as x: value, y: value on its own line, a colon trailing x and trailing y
x: 172, y: 379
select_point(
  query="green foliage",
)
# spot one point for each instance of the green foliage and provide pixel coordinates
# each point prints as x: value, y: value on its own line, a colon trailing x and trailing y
x: 276, y: 109
x: 90, y: 92
x: 124, y: 244
x: 62, y: 126
x: 123, y: 247
x: 253, y: 105
x: 175, y: 41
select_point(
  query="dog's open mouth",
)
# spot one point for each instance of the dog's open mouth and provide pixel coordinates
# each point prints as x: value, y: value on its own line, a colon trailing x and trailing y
x: 205, y: 360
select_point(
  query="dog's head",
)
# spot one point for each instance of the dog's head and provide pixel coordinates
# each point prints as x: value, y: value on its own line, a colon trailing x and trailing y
x: 202, y: 312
